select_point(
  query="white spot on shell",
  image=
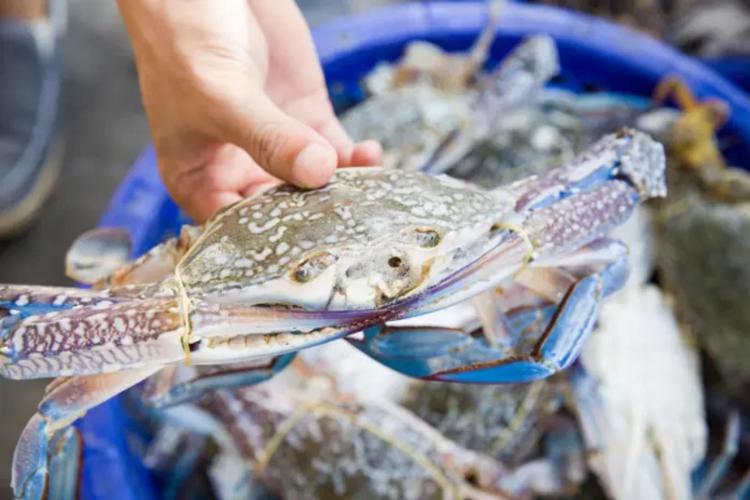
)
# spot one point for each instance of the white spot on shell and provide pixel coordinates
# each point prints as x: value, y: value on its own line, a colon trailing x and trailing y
x: 262, y: 255
x: 282, y: 248
x: 278, y: 234
x: 256, y: 229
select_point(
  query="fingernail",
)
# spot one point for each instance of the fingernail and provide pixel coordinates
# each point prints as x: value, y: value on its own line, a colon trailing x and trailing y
x: 374, y: 150
x: 313, y: 165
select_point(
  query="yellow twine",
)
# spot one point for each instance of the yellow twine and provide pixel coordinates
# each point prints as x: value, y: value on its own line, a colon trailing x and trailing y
x: 325, y: 409
x: 529, y: 256
x: 525, y: 408
x: 284, y: 429
x: 186, y: 303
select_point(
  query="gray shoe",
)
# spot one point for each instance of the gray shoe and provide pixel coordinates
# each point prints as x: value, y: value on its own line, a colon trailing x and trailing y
x: 30, y: 144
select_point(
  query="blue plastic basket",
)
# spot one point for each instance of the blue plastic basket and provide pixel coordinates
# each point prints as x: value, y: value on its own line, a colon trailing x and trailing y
x: 736, y: 69
x: 594, y: 54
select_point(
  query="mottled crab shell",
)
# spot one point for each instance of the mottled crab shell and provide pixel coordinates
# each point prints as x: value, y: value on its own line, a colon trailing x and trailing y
x: 371, y: 236
x: 410, y: 122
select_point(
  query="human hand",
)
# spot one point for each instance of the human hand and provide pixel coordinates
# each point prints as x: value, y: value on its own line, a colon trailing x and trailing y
x: 235, y: 99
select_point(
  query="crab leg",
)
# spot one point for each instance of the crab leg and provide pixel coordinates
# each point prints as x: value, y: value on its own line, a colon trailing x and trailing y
x: 706, y: 488
x: 100, y: 257
x: 208, y: 379
x: 65, y: 402
x: 91, y: 332
x: 97, y: 253
x: 563, y: 466
x: 546, y: 340
x: 91, y: 339
x: 628, y: 155
x: 562, y: 211
x: 480, y: 50
x: 519, y: 78
x: 64, y: 464
x: 21, y: 301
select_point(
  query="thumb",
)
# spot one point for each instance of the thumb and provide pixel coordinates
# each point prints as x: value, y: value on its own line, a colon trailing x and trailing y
x: 281, y: 145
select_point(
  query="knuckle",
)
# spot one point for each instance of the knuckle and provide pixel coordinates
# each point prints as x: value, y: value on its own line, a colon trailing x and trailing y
x: 267, y: 142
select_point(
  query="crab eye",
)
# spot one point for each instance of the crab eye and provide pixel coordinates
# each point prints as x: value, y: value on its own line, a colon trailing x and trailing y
x: 312, y: 266
x: 427, y: 238
x: 395, y: 261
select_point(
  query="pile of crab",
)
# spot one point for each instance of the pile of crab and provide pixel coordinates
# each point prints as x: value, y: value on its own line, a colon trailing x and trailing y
x: 407, y: 333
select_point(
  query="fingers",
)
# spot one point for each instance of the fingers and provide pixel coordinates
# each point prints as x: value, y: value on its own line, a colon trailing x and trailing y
x: 338, y: 138
x: 216, y: 79
x: 223, y: 175
x: 367, y: 153
x: 294, y: 68
x: 295, y: 79
x: 282, y: 145
x: 202, y: 208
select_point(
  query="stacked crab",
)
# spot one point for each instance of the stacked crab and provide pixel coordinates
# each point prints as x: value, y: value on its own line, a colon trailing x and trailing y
x: 651, y: 439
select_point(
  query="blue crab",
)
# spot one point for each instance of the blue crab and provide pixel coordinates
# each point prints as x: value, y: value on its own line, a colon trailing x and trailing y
x: 431, y: 126
x: 710, y: 198
x: 425, y: 62
x: 648, y: 438
x: 288, y: 269
x: 315, y: 431
x: 547, y: 132
x: 302, y: 445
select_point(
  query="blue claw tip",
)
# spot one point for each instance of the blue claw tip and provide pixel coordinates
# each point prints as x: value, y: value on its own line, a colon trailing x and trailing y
x: 29, y: 475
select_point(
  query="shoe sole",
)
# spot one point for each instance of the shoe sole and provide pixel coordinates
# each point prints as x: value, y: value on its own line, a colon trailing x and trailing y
x: 20, y: 217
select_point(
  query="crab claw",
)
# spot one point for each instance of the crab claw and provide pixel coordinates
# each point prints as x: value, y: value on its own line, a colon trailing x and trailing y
x: 541, y: 340
x: 66, y: 400
x: 212, y: 378
x: 64, y: 464
x: 563, y: 216
x: 29, y: 473
x: 36, y: 453
x: 98, y: 253
x: 628, y: 156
